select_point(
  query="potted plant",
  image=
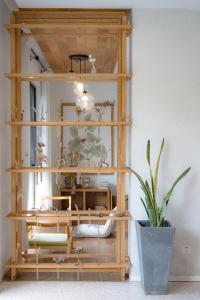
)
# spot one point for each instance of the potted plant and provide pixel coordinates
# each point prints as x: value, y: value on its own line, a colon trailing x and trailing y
x: 155, y: 236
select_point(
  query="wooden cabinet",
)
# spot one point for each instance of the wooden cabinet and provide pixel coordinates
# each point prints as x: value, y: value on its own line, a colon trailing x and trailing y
x: 88, y: 198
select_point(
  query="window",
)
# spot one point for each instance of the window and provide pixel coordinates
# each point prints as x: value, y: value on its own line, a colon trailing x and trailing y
x: 32, y: 129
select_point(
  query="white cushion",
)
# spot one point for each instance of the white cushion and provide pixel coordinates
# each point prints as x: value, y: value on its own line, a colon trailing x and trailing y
x: 95, y: 230
x: 48, y: 239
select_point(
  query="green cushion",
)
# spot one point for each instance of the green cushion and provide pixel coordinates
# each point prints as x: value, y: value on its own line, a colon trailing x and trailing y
x: 48, y: 239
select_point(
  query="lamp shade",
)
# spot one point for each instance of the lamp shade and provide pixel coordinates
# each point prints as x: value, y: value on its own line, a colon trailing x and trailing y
x: 78, y: 87
x: 85, y: 101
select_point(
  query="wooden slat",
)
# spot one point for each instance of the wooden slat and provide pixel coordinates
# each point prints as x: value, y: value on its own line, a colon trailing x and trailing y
x: 92, y: 212
x: 67, y: 170
x: 64, y: 217
x: 66, y: 123
x: 63, y: 26
x: 67, y: 76
x: 74, y: 266
x: 71, y: 255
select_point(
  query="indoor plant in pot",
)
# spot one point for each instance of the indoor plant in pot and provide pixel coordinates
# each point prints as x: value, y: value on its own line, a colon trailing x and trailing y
x: 155, y: 235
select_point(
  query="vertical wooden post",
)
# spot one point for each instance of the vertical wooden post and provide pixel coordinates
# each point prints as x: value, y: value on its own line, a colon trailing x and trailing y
x: 121, y: 156
x: 15, y: 140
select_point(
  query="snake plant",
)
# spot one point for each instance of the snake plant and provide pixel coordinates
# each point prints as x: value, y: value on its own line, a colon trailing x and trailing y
x: 155, y: 210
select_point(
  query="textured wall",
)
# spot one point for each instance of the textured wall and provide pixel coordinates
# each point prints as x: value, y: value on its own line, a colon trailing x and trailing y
x: 166, y: 103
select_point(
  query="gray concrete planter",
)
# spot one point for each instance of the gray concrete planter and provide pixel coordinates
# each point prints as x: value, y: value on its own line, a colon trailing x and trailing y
x: 155, y: 246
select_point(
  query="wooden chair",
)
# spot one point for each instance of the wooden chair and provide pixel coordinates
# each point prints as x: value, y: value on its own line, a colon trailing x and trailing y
x: 49, y: 240
x: 59, y: 198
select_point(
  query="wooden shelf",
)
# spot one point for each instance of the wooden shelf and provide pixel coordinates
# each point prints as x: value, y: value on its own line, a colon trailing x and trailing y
x: 83, y: 196
x: 67, y: 76
x: 105, y: 170
x: 62, y: 216
x: 68, y: 26
x: 65, y: 123
x: 62, y: 266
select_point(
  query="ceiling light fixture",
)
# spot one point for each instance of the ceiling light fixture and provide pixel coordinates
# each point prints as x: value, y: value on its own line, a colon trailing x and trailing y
x: 84, y: 100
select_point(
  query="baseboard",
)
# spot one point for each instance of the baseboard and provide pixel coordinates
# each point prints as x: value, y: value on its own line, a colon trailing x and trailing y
x: 185, y: 278
x: 172, y: 278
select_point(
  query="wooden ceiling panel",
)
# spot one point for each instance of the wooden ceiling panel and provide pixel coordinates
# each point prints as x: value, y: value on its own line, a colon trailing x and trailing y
x: 58, y: 45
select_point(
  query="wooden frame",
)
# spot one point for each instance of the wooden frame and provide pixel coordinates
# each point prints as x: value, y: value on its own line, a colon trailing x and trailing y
x: 98, y: 20
x: 59, y: 198
x: 98, y: 104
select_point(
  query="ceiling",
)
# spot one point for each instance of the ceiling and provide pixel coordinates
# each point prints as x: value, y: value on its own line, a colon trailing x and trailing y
x: 157, y: 4
x: 58, y: 48
x: 58, y: 44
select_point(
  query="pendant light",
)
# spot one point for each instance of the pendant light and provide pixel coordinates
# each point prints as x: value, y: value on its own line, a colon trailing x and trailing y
x: 84, y: 100
x: 78, y: 87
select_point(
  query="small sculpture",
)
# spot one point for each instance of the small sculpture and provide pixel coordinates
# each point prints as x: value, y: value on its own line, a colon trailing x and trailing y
x: 41, y: 158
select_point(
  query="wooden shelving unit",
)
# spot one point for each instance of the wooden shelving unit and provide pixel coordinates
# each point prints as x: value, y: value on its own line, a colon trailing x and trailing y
x: 101, y: 22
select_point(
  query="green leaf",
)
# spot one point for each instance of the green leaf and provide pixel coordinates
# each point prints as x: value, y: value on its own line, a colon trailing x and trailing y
x: 153, y: 207
x: 148, y: 151
x: 152, y: 219
x: 148, y: 196
x: 157, y: 167
x: 149, y: 163
x: 87, y: 117
x: 75, y: 145
x: 91, y: 138
x: 99, y: 151
x: 145, y: 207
x: 73, y: 131
x: 165, y: 202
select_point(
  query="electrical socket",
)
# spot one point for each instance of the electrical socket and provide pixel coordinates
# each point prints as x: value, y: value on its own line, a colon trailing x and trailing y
x: 187, y: 249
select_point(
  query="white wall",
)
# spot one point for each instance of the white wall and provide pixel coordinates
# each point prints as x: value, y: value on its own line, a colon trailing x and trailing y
x: 166, y: 103
x: 5, y: 140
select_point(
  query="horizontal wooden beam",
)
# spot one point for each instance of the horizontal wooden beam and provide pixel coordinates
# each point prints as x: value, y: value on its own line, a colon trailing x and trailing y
x: 65, y: 123
x: 91, y: 212
x: 64, y: 217
x: 66, y: 35
x: 102, y: 170
x: 67, y: 76
x: 67, y: 26
x: 64, y: 265
x: 71, y: 255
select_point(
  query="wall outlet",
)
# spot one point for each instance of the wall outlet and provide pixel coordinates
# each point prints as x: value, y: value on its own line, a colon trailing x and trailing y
x: 187, y: 249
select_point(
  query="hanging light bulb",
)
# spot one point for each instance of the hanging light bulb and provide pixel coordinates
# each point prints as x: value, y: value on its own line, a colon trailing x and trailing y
x: 78, y: 88
x: 85, y: 101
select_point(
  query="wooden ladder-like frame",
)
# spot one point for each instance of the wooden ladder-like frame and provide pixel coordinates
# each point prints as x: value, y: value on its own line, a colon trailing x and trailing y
x: 45, y: 18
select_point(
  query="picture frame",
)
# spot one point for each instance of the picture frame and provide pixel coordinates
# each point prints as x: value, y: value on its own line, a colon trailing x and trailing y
x: 95, y: 144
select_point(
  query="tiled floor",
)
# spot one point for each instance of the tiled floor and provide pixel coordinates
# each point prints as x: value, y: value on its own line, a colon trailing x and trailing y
x: 58, y: 290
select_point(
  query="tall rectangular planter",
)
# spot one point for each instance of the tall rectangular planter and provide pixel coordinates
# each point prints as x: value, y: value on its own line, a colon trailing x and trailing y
x: 155, y: 246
